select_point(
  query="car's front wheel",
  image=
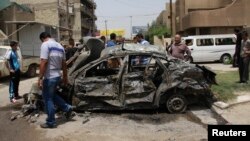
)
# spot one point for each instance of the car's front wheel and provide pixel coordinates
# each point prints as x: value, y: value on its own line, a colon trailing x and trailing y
x: 176, y: 103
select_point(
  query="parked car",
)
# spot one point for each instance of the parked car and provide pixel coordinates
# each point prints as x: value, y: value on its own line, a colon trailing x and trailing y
x: 28, y: 63
x: 163, y: 81
x: 209, y: 48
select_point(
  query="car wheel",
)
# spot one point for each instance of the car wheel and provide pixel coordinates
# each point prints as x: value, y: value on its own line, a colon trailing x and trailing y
x: 226, y: 59
x: 31, y: 71
x: 176, y: 103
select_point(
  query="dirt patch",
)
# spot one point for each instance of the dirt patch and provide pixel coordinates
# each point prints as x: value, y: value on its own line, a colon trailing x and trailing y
x: 17, y: 130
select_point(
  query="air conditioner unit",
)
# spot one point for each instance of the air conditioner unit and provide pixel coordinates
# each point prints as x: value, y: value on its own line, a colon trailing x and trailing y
x: 71, y: 10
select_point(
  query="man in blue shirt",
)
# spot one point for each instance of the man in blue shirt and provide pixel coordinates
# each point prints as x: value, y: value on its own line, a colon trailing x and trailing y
x: 112, y: 41
x: 13, y: 65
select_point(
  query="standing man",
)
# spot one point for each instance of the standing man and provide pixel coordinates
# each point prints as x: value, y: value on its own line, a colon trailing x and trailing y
x: 112, y: 41
x: 179, y: 49
x: 236, y: 58
x: 52, y: 62
x: 14, y: 68
x: 244, y: 58
x: 141, y: 40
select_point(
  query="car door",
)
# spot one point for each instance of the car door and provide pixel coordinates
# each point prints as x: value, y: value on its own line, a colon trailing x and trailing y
x: 97, y: 81
x: 204, y: 50
x: 137, y: 89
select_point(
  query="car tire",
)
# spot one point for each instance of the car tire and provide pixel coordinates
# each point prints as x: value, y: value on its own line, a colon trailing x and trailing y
x: 176, y: 103
x: 226, y: 59
x: 31, y: 71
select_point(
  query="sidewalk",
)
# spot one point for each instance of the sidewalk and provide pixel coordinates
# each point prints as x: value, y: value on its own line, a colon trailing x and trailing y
x: 235, y: 111
x: 24, y: 87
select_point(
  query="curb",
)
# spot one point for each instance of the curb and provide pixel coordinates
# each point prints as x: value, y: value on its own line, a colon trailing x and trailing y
x: 219, y: 107
x: 239, y: 100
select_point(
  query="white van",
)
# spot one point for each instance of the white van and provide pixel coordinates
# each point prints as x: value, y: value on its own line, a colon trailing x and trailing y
x: 207, y: 48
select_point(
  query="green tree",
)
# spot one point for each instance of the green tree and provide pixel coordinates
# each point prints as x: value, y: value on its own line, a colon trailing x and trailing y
x: 157, y: 30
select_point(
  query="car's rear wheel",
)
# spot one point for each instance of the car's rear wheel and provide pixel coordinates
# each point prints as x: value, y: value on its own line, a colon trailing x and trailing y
x: 176, y: 103
x: 226, y: 59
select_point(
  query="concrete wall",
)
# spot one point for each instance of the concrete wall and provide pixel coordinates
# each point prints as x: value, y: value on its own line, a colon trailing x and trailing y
x: 13, y: 14
x: 205, y: 4
x: 77, y: 26
x: 220, y: 16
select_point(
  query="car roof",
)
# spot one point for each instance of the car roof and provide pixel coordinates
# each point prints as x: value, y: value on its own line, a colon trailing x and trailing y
x: 130, y: 48
x: 209, y: 36
x: 5, y: 47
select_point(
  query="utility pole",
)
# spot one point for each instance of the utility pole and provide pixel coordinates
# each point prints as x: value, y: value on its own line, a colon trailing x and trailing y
x: 171, y: 16
x: 67, y: 15
x: 131, y: 24
x: 106, y: 28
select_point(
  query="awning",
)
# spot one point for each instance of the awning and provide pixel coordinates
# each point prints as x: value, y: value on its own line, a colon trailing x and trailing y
x: 6, y: 3
x: 35, y: 22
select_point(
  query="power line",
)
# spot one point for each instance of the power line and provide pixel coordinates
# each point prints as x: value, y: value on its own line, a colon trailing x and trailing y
x: 144, y: 15
x: 130, y: 4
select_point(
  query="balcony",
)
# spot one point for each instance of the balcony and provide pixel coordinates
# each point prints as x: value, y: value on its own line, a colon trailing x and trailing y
x: 89, y: 3
x: 221, y: 17
x: 86, y: 23
x: 88, y: 12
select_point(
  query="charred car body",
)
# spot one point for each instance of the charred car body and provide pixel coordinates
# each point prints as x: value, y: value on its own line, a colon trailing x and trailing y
x: 162, y: 81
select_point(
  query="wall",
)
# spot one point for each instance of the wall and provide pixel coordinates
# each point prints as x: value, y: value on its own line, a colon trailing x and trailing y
x: 77, y: 26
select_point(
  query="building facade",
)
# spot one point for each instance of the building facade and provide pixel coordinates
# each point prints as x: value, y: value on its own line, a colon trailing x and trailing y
x: 165, y: 18
x: 73, y: 18
x: 201, y: 17
x: 84, y: 18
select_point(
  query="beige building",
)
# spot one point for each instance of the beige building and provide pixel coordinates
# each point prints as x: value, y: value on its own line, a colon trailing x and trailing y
x: 84, y: 18
x: 165, y: 17
x: 199, y: 17
x: 13, y: 12
x: 73, y: 18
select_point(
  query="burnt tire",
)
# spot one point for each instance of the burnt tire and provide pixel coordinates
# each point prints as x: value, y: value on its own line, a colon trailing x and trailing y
x: 31, y: 71
x: 176, y: 103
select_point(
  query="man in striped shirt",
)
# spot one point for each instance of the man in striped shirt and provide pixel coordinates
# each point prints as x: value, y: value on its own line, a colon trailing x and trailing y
x: 52, y: 62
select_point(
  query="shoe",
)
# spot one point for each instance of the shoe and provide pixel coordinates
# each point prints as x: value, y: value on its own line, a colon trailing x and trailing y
x: 70, y: 114
x: 13, y: 100
x: 18, y: 97
x: 45, y: 125
x: 243, y: 82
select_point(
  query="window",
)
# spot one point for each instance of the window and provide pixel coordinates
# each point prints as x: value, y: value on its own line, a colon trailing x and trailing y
x: 189, y: 42
x: 225, y: 41
x: 138, y: 62
x: 205, y: 42
x: 104, y: 68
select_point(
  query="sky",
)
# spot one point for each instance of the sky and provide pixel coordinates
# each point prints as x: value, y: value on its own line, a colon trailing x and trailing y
x: 118, y: 13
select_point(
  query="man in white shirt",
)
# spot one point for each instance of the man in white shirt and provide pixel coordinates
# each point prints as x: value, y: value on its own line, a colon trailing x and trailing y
x: 53, y: 60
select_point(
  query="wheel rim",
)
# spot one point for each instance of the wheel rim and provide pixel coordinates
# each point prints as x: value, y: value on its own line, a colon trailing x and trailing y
x: 226, y: 59
x: 176, y: 104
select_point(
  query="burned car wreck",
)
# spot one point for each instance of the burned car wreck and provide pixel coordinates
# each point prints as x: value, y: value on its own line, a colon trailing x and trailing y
x: 96, y: 84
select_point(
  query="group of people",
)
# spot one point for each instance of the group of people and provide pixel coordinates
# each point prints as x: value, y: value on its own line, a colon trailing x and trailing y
x: 53, y: 60
x: 138, y: 39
